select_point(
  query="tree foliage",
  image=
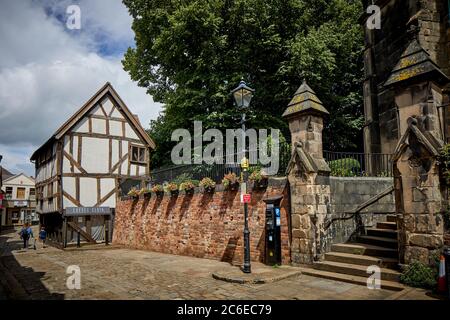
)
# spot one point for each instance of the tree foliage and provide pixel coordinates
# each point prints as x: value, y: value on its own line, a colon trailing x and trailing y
x: 190, y: 54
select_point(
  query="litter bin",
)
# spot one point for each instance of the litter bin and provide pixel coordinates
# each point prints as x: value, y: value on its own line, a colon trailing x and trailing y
x: 447, y: 268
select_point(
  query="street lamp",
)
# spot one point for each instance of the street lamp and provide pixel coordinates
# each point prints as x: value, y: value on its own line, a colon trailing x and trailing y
x: 242, y: 96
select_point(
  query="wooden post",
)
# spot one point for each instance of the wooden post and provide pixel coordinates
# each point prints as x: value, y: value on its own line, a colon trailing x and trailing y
x: 65, y: 232
x: 106, y: 222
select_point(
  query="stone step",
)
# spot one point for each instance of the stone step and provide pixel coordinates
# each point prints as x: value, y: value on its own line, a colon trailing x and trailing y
x: 386, y: 233
x: 365, y: 249
x: 379, y: 241
x: 387, y: 225
x: 361, y: 259
x: 355, y: 270
x: 388, y: 285
x: 391, y: 218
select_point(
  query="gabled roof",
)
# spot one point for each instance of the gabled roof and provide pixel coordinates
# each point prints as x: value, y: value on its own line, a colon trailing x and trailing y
x: 72, y: 121
x: 305, y: 99
x: 427, y: 139
x: 5, y: 181
x: 415, y: 62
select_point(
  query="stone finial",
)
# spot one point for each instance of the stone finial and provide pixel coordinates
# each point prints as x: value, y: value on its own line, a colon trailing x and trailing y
x: 415, y: 63
x: 305, y: 115
x: 304, y: 101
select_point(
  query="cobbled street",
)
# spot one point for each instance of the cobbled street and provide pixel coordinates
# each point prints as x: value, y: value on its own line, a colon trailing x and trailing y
x: 118, y: 273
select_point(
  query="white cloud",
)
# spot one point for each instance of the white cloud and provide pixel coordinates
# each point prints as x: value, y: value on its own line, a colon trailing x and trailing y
x: 47, y: 73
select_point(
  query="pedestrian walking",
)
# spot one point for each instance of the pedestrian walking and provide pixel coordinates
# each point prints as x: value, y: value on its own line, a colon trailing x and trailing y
x: 42, y: 236
x: 25, y: 234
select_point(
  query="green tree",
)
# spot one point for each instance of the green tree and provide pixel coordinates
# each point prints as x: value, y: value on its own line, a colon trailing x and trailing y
x: 190, y: 54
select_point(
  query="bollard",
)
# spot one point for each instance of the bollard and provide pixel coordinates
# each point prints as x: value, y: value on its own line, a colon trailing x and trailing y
x: 78, y: 240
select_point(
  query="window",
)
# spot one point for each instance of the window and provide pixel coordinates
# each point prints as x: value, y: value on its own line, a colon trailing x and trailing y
x: 138, y: 154
x: 32, y: 192
x: 20, y: 193
x: 9, y: 191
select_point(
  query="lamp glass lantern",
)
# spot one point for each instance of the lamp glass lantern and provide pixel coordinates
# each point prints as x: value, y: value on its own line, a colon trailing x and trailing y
x: 242, y: 95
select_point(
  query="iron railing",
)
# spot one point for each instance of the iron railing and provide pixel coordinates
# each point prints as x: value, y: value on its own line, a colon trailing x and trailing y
x: 343, y: 164
x: 352, y: 164
x: 217, y: 171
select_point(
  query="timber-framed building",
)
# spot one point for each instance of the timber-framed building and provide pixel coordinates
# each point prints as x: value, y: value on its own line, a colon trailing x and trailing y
x: 83, y: 168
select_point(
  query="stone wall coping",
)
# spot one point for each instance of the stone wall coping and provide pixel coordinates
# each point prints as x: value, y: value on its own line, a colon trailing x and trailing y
x: 362, y: 178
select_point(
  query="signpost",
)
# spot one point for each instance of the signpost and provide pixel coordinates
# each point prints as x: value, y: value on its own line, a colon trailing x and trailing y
x: 246, y: 198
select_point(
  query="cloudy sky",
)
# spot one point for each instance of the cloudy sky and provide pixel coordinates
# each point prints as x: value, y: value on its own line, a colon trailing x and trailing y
x: 47, y: 71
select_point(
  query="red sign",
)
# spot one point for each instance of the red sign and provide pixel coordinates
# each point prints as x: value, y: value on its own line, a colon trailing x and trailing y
x: 246, y: 198
x: 1, y: 200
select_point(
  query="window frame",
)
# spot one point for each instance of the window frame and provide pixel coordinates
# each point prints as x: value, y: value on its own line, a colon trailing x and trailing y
x: 9, y: 195
x: 140, y: 150
x: 24, y: 193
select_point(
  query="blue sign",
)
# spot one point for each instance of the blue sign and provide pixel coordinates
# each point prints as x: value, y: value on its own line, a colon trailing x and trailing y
x: 278, y: 222
x: 277, y: 210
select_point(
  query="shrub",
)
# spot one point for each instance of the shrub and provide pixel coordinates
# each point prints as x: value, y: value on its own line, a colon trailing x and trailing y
x: 230, y: 179
x: 346, y: 167
x: 157, y: 188
x: 444, y: 160
x: 207, y: 183
x: 419, y: 275
x: 257, y: 176
x: 171, y: 187
x: 187, y: 186
x: 144, y: 191
x: 133, y: 192
x: 446, y: 216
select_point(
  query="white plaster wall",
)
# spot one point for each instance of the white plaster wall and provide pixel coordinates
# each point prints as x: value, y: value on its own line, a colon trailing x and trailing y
x: 97, y: 111
x: 106, y: 186
x: 115, y: 151
x: 69, y: 188
x: 98, y: 126
x: 110, y: 202
x: 124, y: 168
x: 107, y: 105
x: 133, y: 169
x: 46, y: 171
x: 116, y: 114
x: 75, y: 148
x: 88, y: 192
x: 129, y: 132
x: 67, y: 144
x: 82, y: 126
x: 125, y: 145
x: 95, y: 155
x: 115, y: 128
x: 66, y: 165
x: 68, y: 203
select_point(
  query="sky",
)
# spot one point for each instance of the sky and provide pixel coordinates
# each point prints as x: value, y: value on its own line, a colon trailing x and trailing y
x: 48, y: 71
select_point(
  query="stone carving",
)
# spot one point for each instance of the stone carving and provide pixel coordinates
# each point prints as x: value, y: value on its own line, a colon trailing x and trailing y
x: 418, y: 193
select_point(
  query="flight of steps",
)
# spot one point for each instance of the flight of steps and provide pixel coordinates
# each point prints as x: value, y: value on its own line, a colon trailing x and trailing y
x: 348, y: 262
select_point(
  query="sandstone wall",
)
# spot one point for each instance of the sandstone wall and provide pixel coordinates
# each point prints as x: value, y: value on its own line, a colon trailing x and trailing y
x: 346, y: 195
x: 200, y: 225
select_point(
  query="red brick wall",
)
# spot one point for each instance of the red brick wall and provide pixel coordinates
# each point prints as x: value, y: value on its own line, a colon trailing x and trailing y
x: 200, y: 225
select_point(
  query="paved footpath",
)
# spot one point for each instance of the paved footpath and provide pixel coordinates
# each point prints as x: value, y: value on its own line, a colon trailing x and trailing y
x: 119, y: 273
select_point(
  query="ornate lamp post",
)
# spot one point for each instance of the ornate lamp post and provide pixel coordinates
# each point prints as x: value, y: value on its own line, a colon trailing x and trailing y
x: 242, y: 96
